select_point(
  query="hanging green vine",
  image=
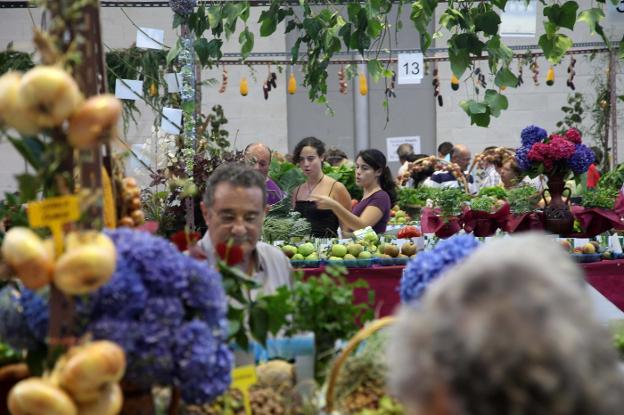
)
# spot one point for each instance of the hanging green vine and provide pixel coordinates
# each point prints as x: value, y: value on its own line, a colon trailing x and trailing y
x: 12, y: 60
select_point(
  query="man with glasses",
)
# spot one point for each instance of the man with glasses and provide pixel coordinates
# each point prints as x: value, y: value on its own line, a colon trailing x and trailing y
x: 233, y: 206
x: 461, y: 156
x: 258, y: 156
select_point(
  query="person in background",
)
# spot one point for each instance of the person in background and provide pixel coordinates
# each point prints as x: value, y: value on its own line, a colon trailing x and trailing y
x: 509, y: 330
x: 258, y: 156
x: 336, y: 157
x: 309, y: 154
x: 444, y: 150
x: 487, y: 174
x: 593, y: 173
x: 510, y: 173
x: 233, y: 207
x: 461, y: 156
x: 379, y: 193
x: 404, y: 151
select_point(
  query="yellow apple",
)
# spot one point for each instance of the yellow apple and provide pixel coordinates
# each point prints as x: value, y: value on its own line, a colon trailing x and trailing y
x: 92, y: 120
x: 88, y: 263
x: 36, y: 396
x: 49, y: 94
x: 90, y: 368
x: 109, y: 402
x: 28, y: 255
x: 11, y: 111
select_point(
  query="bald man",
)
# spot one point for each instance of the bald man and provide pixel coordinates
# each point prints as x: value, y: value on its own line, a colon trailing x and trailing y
x: 461, y: 156
x: 258, y: 156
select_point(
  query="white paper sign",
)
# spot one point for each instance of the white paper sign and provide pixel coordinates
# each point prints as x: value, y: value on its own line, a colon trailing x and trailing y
x: 128, y: 89
x: 392, y: 143
x: 171, y: 120
x: 614, y: 244
x: 580, y: 242
x: 519, y: 19
x: 410, y: 68
x: 149, y: 38
x: 615, y: 12
x: 174, y: 82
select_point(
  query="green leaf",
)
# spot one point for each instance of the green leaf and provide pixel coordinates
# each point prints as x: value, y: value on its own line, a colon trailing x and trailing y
x: 496, y: 102
x: 353, y: 10
x: 555, y: 47
x: 460, y: 60
x: 31, y: 148
x: 500, y: 3
x: 374, y: 28
x: 244, y: 13
x: 267, y: 27
x: 214, y: 16
x: 375, y: 69
x: 28, y: 185
x: 481, y: 120
x: 246, y: 40
x: 591, y: 17
x: 477, y: 108
x: 562, y: 16
x: 488, y: 23
x: 178, y: 20
x: 505, y: 78
x: 259, y: 322
x: 173, y: 52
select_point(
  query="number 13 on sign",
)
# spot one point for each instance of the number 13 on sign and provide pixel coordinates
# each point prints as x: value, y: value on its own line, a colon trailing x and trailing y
x: 410, y: 68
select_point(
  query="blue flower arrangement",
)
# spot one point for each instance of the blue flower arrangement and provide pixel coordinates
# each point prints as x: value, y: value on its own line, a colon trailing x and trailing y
x: 428, y: 265
x: 165, y: 309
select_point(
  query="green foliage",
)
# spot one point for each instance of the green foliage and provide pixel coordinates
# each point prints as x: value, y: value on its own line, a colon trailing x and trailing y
x: 480, y: 112
x: 494, y: 191
x: 287, y: 175
x: 449, y: 200
x: 325, y: 306
x: 410, y: 197
x: 573, y: 113
x: 283, y: 228
x: 600, y: 197
x: 614, y: 179
x: 8, y: 355
x: 482, y: 203
x: 345, y: 174
x: 523, y: 199
x: 11, y: 60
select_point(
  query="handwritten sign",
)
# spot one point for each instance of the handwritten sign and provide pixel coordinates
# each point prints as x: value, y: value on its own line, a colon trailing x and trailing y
x: 53, y: 213
x: 242, y: 378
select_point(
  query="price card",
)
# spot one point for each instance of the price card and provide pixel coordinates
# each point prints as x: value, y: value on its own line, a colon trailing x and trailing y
x: 242, y: 378
x: 53, y: 213
x: 410, y: 68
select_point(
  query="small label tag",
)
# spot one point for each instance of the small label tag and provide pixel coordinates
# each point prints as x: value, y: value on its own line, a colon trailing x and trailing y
x: 53, y: 213
x: 242, y: 378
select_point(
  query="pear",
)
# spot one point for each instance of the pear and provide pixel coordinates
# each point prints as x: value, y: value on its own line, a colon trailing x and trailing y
x: 37, y: 396
x: 391, y: 250
x: 28, y: 255
x: 49, y: 94
x: 408, y: 248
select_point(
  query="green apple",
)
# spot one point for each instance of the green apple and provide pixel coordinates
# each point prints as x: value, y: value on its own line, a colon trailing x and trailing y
x: 297, y: 257
x: 399, y: 214
x: 365, y: 255
x: 306, y: 249
x: 401, y: 221
x: 349, y: 257
x: 312, y: 257
x: 355, y: 249
x: 372, y: 248
x: 338, y: 250
x: 289, y: 250
x: 371, y: 237
x: 335, y: 258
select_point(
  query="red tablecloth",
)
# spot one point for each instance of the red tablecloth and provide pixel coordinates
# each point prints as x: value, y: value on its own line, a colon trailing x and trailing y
x: 605, y: 276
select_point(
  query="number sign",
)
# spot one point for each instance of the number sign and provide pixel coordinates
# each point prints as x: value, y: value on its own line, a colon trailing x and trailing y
x: 411, y: 68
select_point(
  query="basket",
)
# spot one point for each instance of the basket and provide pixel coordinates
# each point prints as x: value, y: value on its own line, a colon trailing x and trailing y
x: 364, y: 333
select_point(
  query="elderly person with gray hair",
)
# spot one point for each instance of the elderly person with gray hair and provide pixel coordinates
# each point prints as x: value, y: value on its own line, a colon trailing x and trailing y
x: 509, y: 330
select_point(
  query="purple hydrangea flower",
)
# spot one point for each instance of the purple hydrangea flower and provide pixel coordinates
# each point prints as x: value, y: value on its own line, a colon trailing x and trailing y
x: 167, y: 311
x: 428, y: 265
x: 582, y: 158
x: 124, y: 333
x: 204, y: 294
x: 522, y: 157
x: 202, y: 365
x: 16, y: 309
x: 532, y: 134
x: 182, y: 7
x: 152, y: 363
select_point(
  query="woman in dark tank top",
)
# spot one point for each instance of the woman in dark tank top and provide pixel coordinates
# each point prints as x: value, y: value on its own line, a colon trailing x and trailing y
x: 308, y: 154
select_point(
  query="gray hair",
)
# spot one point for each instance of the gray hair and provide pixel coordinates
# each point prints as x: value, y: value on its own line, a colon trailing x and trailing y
x: 237, y: 175
x: 405, y: 150
x: 508, y: 331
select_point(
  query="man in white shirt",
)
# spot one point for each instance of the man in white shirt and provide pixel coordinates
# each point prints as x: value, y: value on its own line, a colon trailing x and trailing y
x: 234, y: 206
x: 443, y: 179
x: 403, y: 151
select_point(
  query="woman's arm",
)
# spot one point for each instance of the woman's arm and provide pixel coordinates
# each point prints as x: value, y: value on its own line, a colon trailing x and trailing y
x: 370, y: 216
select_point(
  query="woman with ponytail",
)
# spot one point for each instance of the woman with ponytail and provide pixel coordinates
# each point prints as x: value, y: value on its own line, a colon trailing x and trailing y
x: 379, y: 193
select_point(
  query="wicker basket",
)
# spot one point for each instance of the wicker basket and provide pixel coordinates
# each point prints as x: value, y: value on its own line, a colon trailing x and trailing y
x: 361, y: 335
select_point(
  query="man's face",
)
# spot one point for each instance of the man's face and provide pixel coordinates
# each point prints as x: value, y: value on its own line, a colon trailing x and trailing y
x: 237, y: 213
x: 462, y: 158
x: 259, y: 158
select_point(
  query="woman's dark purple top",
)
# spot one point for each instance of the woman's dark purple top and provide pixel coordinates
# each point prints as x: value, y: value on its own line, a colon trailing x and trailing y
x: 380, y: 200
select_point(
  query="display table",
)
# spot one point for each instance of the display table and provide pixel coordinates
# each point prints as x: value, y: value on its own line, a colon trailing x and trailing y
x: 607, y: 277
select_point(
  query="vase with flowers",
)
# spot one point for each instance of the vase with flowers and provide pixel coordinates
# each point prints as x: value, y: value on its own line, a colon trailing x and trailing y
x: 557, y: 157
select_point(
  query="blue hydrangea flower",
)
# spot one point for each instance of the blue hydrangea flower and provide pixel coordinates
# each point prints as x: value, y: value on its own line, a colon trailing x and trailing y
x: 204, y: 293
x: 202, y: 364
x: 167, y: 311
x: 428, y: 265
x: 152, y: 362
x: 16, y: 309
x: 522, y: 157
x: 532, y: 134
x: 124, y: 333
x: 582, y: 158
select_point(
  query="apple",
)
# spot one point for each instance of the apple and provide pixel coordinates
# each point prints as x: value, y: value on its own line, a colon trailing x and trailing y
x: 109, y: 402
x: 312, y: 257
x: 37, y: 396
x: 306, y: 249
x: 49, y: 94
x: 28, y: 255
x: 365, y: 255
x: 401, y: 221
x: 355, y: 249
x: 335, y: 258
x: 566, y: 245
x: 408, y: 248
x: 391, y: 250
x: 87, y: 264
x: 338, y: 250
x: 578, y: 250
x: 589, y: 248
x: 92, y: 120
x: 371, y: 237
x: 399, y: 214
x: 289, y: 250
x: 297, y: 257
x: 11, y: 111
x: 349, y: 257
x: 86, y: 370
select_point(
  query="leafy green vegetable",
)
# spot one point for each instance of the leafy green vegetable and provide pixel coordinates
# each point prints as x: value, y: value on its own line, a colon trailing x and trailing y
x: 483, y: 203
x: 449, y: 200
x: 410, y: 197
x: 494, y: 191
x: 278, y: 228
x: 523, y: 199
x: 600, y: 197
x: 345, y: 174
x: 614, y: 179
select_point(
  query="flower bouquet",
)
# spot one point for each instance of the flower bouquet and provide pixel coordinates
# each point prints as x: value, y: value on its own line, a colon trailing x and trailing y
x: 557, y: 157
